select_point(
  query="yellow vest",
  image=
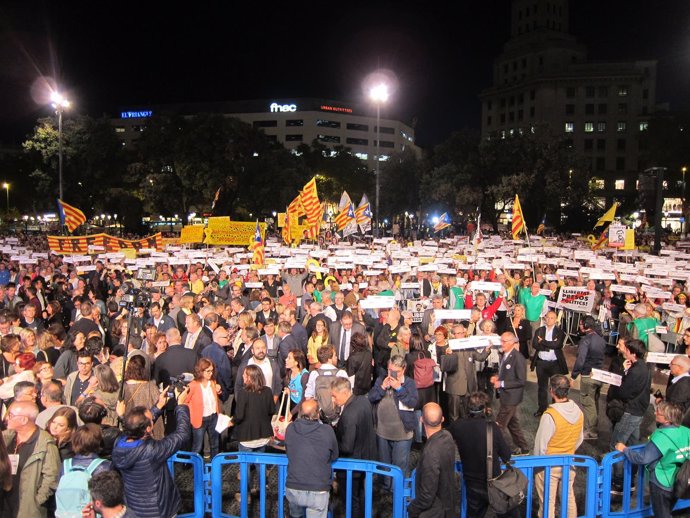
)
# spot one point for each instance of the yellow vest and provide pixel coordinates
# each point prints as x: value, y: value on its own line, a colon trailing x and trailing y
x: 565, y: 438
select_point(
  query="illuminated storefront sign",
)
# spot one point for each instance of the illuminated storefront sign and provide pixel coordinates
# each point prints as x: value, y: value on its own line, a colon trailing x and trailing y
x: 136, y: 115
x: 275, y: 107
x: 327, y: 108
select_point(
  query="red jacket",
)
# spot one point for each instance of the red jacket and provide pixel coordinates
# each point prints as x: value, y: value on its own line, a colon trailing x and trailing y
x: 195, y: 401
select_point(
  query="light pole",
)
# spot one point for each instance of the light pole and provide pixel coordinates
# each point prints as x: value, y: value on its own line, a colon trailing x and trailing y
x: 378, y: 94
x: 59, y: 103
x: 6, y: 186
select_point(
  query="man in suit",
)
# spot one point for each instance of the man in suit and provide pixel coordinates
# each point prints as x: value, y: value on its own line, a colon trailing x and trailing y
x: 287, y: 343
x: 427, y: 323
x: 356, y: 437
x: 159, y: 319
x: 271, y: 338
x: 548, y: 358
x: 194, y: 338
x: 510, y: 386
x: 175, y: 360
x: 678, y: 388
x: 340, y: 335
x: 289, y: 315
x: 460, y: 372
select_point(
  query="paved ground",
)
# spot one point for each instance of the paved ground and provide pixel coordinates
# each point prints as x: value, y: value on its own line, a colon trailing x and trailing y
x: 382, y: 503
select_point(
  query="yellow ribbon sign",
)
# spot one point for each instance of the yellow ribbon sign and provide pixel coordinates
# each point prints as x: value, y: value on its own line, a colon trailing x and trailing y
x: 192, y: 234
x: 232, y: 232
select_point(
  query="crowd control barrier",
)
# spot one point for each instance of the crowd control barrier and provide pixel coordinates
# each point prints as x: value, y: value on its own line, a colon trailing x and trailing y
x: 633, y: 503
x: 267, y: 461
x: 200, y: 472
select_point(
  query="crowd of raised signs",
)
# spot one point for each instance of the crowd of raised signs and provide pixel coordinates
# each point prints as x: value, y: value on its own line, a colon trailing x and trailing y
x: 263, y: 335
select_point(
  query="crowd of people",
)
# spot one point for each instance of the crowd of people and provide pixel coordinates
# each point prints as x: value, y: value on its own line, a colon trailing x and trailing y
x: 109, y: 375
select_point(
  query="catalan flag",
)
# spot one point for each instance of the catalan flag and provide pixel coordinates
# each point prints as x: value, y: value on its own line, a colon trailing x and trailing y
x: 346, y: 216
x: 443, y: 222
x: 603, y: 240
x: 70, y: 216
x: 296, y: 207
x: 363, y: 214
x: 542, y: 226
x: 257, y: 246
x: 518, y: 219
x: 310, y: 202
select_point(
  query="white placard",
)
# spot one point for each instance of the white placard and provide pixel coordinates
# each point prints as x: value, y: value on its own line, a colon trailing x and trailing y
x: 567, y: 273
x: 546, y: 293
x: 160, y: 284
x: 485, y: 286
x: 409, y: 286
x: 254, y: 285
x: 602, y: 276
x: 452, y: 314
x: 661, y: 358
x: 268, y: 271
x: 622, y: 288
x: 673, y: 308
x: 377, y: 302
x: 661, y: 330
x: 607, y: 377
x: 473, y: 342
x: 576, y: 298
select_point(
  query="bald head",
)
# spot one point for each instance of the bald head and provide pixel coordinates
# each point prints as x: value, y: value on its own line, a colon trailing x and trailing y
x: 172, y: 336
x: 683, y: 362
x: 432, y: 417
x: 309, y: 409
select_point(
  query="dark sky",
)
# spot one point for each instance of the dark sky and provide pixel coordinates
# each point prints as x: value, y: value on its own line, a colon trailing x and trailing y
x: 109, y: 55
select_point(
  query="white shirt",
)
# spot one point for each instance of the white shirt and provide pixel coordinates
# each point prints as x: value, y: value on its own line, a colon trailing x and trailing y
x: 209, y: 397
x: 549, y: 355
x: 310, y: 391
x: 191, y: 339
x: 265, y: 367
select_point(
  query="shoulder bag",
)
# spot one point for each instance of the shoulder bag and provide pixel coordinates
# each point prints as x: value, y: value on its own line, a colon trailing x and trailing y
x: 507, y: 490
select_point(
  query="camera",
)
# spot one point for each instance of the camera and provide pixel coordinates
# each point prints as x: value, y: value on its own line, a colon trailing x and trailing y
x: 179, y: 383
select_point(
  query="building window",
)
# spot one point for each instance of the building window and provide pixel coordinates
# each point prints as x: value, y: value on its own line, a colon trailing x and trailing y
x: 597, y: 183
x: 589, y: 109
x: 602, y: 109
x: 503, y: 102
x: 601, y: 144
x: 619, y: 185
x: 620, y: 144
x: 600, y: 164
x: 362, y: 156
x: 620, y: 163
x: 622, y: 90
x: 294, y: 122
x: 503, y: 118
x: 119, y: 129
x: 589, y: 144
x: 569, y: 127
x: 357, y: 141
x: 357, y: 127
x: 511, y: 102
x: 645, y: 94
x: 384, y: 129
x: 265, y: 124
x: 488, y: 105
x: 531, y: 111
x: 601, y: 127
x: 644, y: 126
x: 603, y: 91
x: 532, y: 95
x: 568, y: 143
x: 622, y: 126
x: 387, y: 143
x: 570, y: 109
x: 511, y: 117
x: 521, y: 115
x: 488, y: 120
x: 329, y: 138
x: 622, y: 107
x: 327, y: 124
x: 589, y: 91
x: 589, y: 127
x: 570, y: 92
x: 293, y: 138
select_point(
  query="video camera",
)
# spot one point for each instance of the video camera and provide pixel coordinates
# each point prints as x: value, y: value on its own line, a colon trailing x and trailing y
x: 179, y: 382
x: 134, y: 297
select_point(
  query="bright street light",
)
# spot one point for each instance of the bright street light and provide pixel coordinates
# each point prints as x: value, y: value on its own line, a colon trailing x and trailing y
x: 60, y: 103
x: 378, y: 94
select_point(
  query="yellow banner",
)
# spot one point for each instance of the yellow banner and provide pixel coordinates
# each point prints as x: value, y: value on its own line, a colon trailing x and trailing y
x: 192, y: 234
x: 219, y: 222
x: 232, y: 233
x: 629, y: 239
x: 281, y: 219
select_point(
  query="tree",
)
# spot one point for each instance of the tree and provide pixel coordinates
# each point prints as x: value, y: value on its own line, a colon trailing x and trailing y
x: 400, y: 184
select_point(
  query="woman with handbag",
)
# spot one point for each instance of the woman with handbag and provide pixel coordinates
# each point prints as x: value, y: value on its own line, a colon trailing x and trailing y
x: 204, y: 406
x: 470, y: 434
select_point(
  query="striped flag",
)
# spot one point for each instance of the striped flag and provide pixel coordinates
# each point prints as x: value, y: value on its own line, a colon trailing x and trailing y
x: 603, y: 240
x: 286, y: 228
x: 70, y: 216
x: 257, y: 246
x: 542, y: 226
x: 363, y: 214
x: 608, y: 216
x: 518, y: 219
x: 347, y: 212
x: 215, y: 198
x: 310, y: 202
x: 443, y: 222
x: 296, y: 207
x: 313, y: 231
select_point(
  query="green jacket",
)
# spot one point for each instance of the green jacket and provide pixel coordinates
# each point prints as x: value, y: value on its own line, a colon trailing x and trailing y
x: 674, y: 445
x: 38, y: 479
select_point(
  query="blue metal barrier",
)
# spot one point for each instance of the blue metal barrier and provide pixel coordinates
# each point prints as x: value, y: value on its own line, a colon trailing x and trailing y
x: 263, y: 460
x: 530, y: 466
x: 201, y: 481
x: 630, y: 507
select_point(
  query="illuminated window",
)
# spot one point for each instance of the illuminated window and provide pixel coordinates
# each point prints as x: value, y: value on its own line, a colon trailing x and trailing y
x: 619, y: 185
x: 327, y: 124
x: 119, y: 129
x: 589, y: 127
x: 601, y: 127
x: 383, y: 158
x: 597, y: 183
x: 294, y: 122
x: 362, y: 156
x: 644, y: 126
x: 569, y: 127
x: 622, y: 126
x: 622, y: 90
x: 329, y: 138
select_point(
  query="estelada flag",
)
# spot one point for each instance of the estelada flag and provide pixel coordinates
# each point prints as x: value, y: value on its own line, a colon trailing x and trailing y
x: 257, y: 246
x: 443, y: 222
x: 518, y: 219
x: 347, y: 212
x: 310, y: 202
x: 70, y: 216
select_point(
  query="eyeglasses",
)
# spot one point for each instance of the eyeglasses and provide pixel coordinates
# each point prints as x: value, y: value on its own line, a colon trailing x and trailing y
x: 84, y: 364
x: 208, y: 370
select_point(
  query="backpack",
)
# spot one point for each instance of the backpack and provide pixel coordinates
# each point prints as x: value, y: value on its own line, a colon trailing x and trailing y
x: 424, y: 371
x: 681, y: 485
x: 322, y: 387
x: 73, y: 490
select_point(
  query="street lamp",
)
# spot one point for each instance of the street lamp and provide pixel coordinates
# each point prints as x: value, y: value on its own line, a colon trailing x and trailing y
x: 6, y: 186
x: 378, y: 94
x: 59, y: 103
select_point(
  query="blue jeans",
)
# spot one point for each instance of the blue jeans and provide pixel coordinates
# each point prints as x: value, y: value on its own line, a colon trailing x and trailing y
x: 315, y: 503
x: 627, y: 431
x: 240, y: 447
x: 396, y: 453
x: 208, y: 424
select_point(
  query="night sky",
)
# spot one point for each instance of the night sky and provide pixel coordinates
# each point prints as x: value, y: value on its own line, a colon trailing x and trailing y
x: 111, y: 55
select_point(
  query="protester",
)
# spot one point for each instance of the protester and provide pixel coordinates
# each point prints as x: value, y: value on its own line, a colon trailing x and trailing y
x: 548, y: 359
x: 254, y: 408
x: 107, y: 497
x: 590, y: 355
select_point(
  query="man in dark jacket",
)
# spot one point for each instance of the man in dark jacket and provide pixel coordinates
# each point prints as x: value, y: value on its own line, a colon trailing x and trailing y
x: 174, y: 361
x: 590, y: 355
x: 436, y: 495
x: 150, y: 490
x: 678, y: 387
x: 311, y: 448
x: 356, y: 437
x: 548, y: 358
